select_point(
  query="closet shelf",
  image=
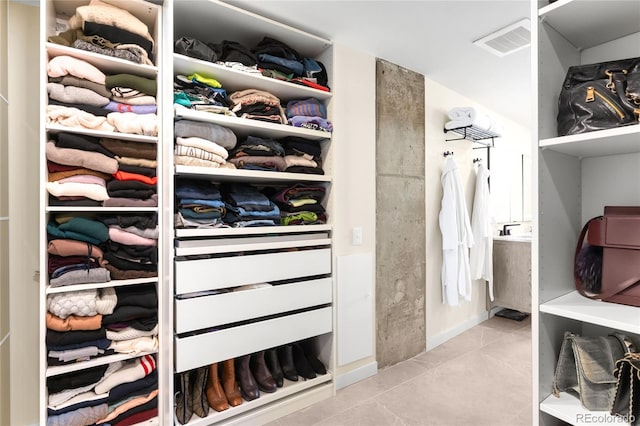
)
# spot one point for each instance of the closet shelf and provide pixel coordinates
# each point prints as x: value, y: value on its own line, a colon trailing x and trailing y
x: 56, y: 128
x: 83, y: 365
x: 227, y: 232
x: 98, y: 209
x: 290, y: 389
x: 233, y: 80
x: 568, y: 409
x: 113, y: 283
x: 621, y: 140
x: 249, y: 176
x: 581, y: 22
x: 474, y: 134
x: 106, y: 64
x: 245, y: 126
x: 577, y: 307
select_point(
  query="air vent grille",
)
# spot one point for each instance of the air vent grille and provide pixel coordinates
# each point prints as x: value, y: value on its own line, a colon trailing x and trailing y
x: 507, y: 40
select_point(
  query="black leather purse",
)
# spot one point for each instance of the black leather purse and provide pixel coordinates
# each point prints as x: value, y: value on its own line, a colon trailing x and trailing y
x: 196, y: 49
x: 599, y: 96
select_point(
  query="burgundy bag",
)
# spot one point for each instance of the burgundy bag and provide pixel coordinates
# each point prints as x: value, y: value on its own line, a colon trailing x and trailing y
x: 617, y: 235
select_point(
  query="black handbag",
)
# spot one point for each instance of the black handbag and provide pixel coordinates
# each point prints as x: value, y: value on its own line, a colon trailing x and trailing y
x: 599, y: 96
x: 196, y: 49
x: 625, y: 401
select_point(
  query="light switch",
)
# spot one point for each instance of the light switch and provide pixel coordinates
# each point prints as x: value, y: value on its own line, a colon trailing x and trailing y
x: 356, y: 236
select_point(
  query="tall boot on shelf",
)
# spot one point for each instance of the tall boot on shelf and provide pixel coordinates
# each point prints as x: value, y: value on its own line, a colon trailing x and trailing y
x: 301, y: 363
x: 184, y: 408
x: 198, y: 392
x: 312, y: 357
x: 271, y: 359
x: 285, y: 356
x: 261, y: 373
x: 215, y: 395
x: 248, y: 386
x: 229, y: 383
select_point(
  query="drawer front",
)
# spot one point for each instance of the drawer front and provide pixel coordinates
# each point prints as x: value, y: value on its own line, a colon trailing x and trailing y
x: 202, y: 312
x: 204, y: 349
x: 224, y: 272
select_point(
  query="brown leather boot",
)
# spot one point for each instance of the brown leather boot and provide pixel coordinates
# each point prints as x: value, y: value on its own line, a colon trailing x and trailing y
x: 261, y: 373
x: 215, y: 395
x: 229, y: 384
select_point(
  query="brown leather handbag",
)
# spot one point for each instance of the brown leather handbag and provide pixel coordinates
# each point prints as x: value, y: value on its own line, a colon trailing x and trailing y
x: 617, y: 235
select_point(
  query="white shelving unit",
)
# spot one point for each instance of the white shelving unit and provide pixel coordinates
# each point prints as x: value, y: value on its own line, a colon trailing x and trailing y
x: 296, y: 259
x: 577, y: 176
x: 61, y: 10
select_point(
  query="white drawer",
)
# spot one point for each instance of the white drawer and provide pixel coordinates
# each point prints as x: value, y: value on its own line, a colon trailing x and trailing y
x: 202, y: 312
x: 204, y: 349
x: 224, y: 272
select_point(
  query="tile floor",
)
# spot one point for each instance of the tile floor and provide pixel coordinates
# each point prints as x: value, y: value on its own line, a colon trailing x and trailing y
x: 481, y: 377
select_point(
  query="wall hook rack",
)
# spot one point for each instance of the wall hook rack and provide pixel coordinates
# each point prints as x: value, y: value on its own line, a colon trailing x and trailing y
x: 477, y: 160
x: 447, y: 153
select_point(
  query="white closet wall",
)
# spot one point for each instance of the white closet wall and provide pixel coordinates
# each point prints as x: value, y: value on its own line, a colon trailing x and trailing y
x: 577, y: 176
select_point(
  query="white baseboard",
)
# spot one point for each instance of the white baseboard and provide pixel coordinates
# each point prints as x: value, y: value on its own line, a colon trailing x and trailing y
x: 439, y: 339
x: 356, y: 375
x: 495, y: 309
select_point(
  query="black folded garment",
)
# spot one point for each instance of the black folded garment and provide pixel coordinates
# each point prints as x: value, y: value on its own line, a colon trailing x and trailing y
x: 91, y: 109
x: 130, y: 189
x: 144, y: 171
x: 117, y: 35
x: 232, y: 51
x: 275, y: 47
x: 129, y: 313
x: 295, y: 145
x: 58, y: 339
x: 81, y: 142
x: 129, y: 265
x: 305, y: 169
x: 74, y: 202
x: 126, y: 220
x: 316, y: 208
x: 75, y: 379
x: 137, y: 295
x: 134, y: 253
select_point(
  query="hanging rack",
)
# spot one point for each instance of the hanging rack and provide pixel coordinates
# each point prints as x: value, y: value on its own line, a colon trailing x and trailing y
x: 447, y: 153
x: 477, y: 160
x: 474, y: 134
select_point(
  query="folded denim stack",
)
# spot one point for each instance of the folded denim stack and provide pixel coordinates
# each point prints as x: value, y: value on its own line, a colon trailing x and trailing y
x: 246, y: 206
x: 302, y: 155
x: 300, y: 204
x: 256, y: 153
x: 199, y: 203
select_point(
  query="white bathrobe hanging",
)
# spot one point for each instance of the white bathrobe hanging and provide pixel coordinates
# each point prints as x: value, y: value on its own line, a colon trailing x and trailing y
x: 481, y: 255
x: 457, y: 237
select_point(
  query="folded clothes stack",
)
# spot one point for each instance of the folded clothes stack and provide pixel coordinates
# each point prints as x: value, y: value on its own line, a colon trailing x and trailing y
x: 108, y: 30
x: 82, y: 96
x: 246, y: 206
x: 202, y: 144
x: 302, y: 155
x: 308, y: 113
x: 258, y: 105
x: 201, y: 93
x: 256, y: 153
x: 300, y: 204
x: 199, y: 203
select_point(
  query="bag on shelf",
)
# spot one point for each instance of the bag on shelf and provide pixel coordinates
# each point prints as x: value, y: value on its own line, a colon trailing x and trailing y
x: 586, y: 366
x: 627, y: 389
x: 608, y: 266
x: 598, y: 97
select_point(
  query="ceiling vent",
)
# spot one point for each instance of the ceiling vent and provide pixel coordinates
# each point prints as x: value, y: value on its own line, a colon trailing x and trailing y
x: 507, y: 40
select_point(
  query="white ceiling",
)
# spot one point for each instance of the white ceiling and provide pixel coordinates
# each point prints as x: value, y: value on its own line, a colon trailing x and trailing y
x: 431, y: 37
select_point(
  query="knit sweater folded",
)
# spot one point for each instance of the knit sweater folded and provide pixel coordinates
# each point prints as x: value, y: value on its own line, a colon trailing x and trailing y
x: 74, y: 117
x: 138, y: 124
x: 106, y: 14
x: 67, y: 247
x: 70, y: 189
x: 80, y: 158
x: 75, y: 95
x: 83, y: 303
x: 145, y: 85
x: 67, y: 65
